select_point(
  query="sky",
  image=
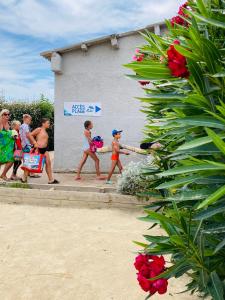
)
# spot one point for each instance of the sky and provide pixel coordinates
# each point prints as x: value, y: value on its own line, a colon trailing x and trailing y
x: 28, y: 27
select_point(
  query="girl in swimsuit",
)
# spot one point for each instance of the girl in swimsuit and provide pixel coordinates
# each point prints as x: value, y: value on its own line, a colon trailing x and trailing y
x: 116, y: 151
x: 87, y: 152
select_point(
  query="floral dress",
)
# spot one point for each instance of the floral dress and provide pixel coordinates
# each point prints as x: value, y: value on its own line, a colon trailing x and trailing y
x: 6, y: 146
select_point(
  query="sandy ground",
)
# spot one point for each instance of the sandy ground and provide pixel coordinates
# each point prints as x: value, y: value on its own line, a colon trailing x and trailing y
x: 71, y: 254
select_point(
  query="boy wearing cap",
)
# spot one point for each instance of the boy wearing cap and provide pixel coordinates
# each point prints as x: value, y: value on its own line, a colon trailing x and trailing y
x: 116, y: 151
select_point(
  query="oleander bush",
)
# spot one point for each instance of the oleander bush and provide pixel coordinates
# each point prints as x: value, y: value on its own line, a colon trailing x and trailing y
x: 42, y: 108
x: 183, y: 77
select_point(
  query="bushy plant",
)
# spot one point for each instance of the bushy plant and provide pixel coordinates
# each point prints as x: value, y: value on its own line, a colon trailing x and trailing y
x: 185, y: 109
x: 131, y: 181
x: 42, y: 108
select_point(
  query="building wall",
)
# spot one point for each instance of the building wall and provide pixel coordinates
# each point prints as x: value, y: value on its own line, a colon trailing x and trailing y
x: 97, y: 76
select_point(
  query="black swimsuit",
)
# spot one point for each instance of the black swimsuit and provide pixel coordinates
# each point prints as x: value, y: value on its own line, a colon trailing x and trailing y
x: 42, y: 150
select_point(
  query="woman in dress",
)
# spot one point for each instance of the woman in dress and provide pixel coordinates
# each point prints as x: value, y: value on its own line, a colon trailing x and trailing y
x: 6, y: 143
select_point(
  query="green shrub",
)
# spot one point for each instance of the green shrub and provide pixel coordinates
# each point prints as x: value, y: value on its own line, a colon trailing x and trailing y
x: 42, y: 108
x: 131, y: 181
x: 185, y: 109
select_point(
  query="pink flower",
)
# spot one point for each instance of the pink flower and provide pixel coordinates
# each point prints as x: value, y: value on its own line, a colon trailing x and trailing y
x: 139, y: 56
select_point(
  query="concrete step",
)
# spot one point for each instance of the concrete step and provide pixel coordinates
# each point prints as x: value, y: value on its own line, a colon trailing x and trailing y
x: 68, y: 198
x: 78, y: 188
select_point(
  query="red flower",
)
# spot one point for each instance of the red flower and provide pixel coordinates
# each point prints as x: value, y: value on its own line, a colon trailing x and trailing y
x: 160, y: 285
x: 141, y: 260
x: 177, y: 62
x: 149, y: 266
x: 144, y: 82
x: 178, y: 19
x: 144, y: 283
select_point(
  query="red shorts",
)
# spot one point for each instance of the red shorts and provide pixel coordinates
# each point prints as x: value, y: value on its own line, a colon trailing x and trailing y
x: 115, y: 156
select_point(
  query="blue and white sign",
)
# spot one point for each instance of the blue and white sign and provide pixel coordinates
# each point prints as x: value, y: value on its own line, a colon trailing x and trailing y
x: 82, y: 109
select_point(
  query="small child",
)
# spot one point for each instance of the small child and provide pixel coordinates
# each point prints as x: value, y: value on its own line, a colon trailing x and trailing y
x: 116, y: 151
x: 18, y: 146
x: 87, y: 151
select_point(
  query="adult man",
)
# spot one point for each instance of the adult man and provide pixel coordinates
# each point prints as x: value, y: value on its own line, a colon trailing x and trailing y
x: 39, y: 138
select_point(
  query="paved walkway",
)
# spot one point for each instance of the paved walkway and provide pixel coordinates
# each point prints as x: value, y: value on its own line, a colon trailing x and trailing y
x: 69, y: 178
x: 71, y: 254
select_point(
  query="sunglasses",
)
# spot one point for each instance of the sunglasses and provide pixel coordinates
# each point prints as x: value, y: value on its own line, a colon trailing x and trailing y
x: 6, y: 115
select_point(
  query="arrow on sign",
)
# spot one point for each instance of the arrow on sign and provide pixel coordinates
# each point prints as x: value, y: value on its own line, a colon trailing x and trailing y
x: 97, y: 109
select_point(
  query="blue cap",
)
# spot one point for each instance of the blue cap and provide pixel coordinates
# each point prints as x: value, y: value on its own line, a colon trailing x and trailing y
x: 114, y: 132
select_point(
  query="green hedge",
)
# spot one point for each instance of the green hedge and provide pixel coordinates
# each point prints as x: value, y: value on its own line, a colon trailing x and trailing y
x: 42, y: 108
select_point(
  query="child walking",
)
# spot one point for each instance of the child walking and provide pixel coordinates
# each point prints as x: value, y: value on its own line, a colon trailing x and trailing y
x: 88, y: 152
x: 18, y: 146
x: 116, y: 151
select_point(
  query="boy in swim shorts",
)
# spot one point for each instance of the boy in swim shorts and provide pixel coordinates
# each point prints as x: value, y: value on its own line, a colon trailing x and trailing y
x: 116, y: 151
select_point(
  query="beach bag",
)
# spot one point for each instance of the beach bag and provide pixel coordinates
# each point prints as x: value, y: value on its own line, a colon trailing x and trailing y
x: 18, y: 155
x: 33, y: 162
x: 97, y: 142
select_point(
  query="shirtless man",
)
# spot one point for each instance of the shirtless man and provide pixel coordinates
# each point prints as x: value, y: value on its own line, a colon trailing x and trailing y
x: 39, y: 138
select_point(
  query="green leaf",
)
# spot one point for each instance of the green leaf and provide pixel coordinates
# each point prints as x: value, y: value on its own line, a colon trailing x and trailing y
x: 201, y: 121
x: 219, y: 246
x: 177, y: 182
x: 192, y: 169
x: 157, y: 239
x: 216, y: 140
x: 177, y: 240
x: 154, y: 217
x: 210, y: 21
x: 220, y: 74
x: 213, y: 198
x: 198, y: 142
x: 186, y: 53
x: 217, y: 286
x: 209, y: 212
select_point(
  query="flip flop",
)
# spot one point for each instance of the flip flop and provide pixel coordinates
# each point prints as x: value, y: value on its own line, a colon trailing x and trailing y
x: 4, y: 178
x: 23, y: 181
x: 55, y: 181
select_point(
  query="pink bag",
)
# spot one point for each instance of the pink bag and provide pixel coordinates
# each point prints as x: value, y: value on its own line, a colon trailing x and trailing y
x: 18, y: 155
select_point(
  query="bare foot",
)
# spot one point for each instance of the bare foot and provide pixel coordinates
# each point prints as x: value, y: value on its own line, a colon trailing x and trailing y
x: 101, y: 177
x: 16, y: 178
x: 78, y: 178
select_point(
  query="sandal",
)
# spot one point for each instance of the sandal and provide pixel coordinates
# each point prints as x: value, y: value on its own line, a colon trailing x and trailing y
x: 23, y: 180
x: 4, y: 178
x: 55, y: 181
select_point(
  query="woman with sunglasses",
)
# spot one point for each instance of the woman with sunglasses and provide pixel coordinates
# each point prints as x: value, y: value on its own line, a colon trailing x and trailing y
x: 6, y: 143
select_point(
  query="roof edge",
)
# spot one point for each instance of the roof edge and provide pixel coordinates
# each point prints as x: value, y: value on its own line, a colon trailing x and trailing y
x: 96, y: 41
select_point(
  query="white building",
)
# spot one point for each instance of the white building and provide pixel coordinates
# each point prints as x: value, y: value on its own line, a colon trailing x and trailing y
x: 93, y: 72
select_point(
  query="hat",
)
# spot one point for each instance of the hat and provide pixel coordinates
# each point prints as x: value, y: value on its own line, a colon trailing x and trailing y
x: 114, y: 132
